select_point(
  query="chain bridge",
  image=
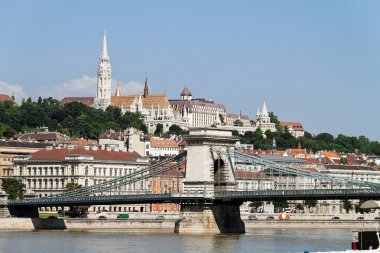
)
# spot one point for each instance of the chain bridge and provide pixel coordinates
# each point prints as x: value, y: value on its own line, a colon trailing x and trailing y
x: 211, y: 197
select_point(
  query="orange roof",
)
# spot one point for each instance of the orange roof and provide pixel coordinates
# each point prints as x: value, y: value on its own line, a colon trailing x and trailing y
x: 297, y: 151
x: 331, y: 154
x: 4, y: 98
x: 295, y: 125
x: 57, y: 154
x: 148, y: 101
x: 163, y: 143
x: 280, y: 153
x: 79, y: 142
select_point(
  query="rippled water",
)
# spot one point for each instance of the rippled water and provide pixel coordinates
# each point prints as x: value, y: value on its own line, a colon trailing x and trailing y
x: 263, y: 240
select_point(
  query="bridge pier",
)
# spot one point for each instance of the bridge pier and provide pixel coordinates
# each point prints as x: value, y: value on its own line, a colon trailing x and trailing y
x: 210, y: 218
x: 4, y: 212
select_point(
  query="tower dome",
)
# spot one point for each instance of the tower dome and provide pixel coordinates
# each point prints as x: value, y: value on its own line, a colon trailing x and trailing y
x: 185, y: 92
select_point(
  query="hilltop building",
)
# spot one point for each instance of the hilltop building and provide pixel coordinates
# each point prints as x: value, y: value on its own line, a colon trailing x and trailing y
x: 263, y: 120
x: 295, y: 128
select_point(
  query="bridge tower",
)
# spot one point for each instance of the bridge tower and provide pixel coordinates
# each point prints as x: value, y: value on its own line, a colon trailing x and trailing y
x: 208, y: 172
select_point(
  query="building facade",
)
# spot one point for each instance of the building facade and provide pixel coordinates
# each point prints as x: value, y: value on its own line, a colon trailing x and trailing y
x: 48, y: 171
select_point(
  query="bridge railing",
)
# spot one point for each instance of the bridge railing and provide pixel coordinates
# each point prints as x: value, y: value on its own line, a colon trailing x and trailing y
x: 295, y: 193
x: 129, y: 179
x: 293, y: 171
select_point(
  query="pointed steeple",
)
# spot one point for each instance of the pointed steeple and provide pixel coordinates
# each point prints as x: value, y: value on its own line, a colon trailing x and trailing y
x: 104, y: 50
x: 146, y: 88
x: 117, y: 92
x: 264, y: 111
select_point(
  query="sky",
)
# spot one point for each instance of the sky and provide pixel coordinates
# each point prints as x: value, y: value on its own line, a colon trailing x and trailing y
x: 315, y: 62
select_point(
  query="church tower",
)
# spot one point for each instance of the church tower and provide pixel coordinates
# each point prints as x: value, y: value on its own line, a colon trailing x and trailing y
x: 146, y: 88
x: 103, y: 95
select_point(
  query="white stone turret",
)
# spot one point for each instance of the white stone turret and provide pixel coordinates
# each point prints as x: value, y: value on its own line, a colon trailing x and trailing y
x: 103, y: 96
x: 263, y: 120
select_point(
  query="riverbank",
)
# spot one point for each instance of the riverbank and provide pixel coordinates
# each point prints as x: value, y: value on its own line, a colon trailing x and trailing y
x: 27, y: 224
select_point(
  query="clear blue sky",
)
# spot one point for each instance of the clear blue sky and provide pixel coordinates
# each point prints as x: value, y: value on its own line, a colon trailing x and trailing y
x: 317, y: 62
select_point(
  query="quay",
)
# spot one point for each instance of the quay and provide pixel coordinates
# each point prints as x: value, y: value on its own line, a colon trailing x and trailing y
x: 168, y: 224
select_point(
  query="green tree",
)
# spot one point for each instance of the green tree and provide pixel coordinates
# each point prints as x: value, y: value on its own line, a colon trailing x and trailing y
x: 177, y: 130
x: 75, y: 211
x: 14, y: 188
x: 238, y: 122
x: 347, y: 205
x: 256, y: 204
x: 310, y: 203
x: 159, y: 129
x: 280, y: 204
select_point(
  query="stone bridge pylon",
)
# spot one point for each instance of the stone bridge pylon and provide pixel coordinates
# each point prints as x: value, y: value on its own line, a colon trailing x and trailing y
x: 210, y: 173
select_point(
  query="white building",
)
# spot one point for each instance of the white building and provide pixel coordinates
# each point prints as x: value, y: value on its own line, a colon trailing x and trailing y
x: 160, y: 147
x: 199, y: 112
x: 263, y: 120
x: 48, y: 171
x: 295, y: 128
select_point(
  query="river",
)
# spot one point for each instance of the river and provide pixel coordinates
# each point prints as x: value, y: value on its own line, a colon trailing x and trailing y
x: 261, y: 241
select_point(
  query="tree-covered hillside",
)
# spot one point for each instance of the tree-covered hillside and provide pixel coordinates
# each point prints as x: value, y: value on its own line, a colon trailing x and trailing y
x: 74, y: 119
x: 322, y: 141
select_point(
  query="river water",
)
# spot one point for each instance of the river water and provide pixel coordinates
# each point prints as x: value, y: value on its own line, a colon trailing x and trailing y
x: 261, y: 241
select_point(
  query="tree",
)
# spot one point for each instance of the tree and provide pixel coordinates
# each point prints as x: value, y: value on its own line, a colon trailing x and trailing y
x: 75, y: 211
x: 14, y: 188
x: 256, y: 204
x: 280, y: 204
x: 159, y: 129
x: 299, y: 206
x: 310, y: 203
x: 347, y: 205
x: 238, y: 122
x: 177, y: 130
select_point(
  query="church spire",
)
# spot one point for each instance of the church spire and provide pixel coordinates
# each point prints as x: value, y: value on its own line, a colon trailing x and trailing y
x: 264, y: 111
x: 146, y: 88
x: 117, y: 93
x: 103, y: 95
x: 104, y: 50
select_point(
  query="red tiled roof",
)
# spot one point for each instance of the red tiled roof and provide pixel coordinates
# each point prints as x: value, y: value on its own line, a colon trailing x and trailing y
x: 162, y: 143
x: 295, y: 125
x: 84, y: 100
x: 57, y: 154
x: 79, y: 142
x: 297, y: 151
x: 4, y: 97
x: 331, y: 155
x: 40, y: 136
x: 311, y: 160
x: 112, y: 135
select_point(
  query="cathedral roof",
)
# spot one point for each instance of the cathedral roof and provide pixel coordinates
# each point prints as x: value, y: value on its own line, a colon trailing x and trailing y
x: 185, y: 92
x: 148, y: 101
x: 4, y: 97
x: 84, y: 100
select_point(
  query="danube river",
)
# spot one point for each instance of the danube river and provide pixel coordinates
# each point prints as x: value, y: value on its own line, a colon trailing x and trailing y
x: 261, y: 241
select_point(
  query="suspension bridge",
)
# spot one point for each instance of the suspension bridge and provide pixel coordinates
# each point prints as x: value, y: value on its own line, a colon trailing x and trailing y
x: 210, y: 198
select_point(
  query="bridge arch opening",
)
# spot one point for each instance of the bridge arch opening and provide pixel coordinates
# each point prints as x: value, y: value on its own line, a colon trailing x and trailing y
x: 218, y: 166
